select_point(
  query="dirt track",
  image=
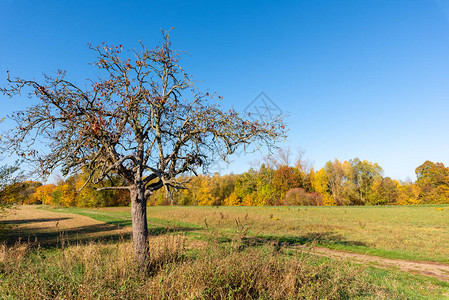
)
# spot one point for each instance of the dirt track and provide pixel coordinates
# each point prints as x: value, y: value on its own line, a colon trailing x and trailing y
x: 432, y: 269
x: 27, y: 220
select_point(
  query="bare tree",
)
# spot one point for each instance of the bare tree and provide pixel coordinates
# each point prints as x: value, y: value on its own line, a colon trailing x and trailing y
x: 282, y: 157
x: 144, y: 120
x: 303, y: 165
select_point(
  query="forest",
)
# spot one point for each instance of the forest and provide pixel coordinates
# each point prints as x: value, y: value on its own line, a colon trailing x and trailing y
x: 276, y: 182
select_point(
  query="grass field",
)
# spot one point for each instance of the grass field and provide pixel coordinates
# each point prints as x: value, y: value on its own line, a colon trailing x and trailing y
x: 404, y: 232
x: 220, y: 253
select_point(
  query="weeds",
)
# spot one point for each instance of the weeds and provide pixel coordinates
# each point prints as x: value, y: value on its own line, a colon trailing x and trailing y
x: 240, y: 235
x: 228, y: 261
x: 179, y: 271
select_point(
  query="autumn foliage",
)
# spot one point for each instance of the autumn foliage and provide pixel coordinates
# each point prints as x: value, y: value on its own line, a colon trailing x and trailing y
x: 352, y: 182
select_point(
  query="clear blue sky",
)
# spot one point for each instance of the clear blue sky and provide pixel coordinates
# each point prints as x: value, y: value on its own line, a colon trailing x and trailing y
x: 367, y: 79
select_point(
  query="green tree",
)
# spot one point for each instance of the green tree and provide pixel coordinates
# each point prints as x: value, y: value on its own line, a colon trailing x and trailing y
x: 246, y: 184
x: 364, y: 175
x: 336, y: 179
x: 268, y: 194
x: 350, y: 182
x: 384, y: 191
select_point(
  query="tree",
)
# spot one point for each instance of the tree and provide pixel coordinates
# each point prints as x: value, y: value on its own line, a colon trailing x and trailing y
x: 350, y: 181
x: 321, y: 186
x: 364, y: 174
x: 432, y: 174
x: 337, y: 177
x: 42, y: 194
x: 299, y: 196
x: 384, y: 191
x: 433, y: 182
x: 144, y: 120
x: 246, y: 184
x: 10, y: 177
x: 205, y: 192
x: 286, y: 178
x: 7, y: 175
x: 265, y: 188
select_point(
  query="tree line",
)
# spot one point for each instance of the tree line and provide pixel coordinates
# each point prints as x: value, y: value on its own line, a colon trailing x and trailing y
x: 352, y: 182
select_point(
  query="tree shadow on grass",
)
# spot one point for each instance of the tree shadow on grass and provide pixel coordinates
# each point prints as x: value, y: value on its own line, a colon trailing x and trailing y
x: 311, y: 239
x: 26, y: 221
x: 48, y: 237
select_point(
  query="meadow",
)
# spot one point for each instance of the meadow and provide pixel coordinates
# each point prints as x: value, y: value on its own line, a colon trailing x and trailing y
x: 404, y: 232
x: 220, y: 253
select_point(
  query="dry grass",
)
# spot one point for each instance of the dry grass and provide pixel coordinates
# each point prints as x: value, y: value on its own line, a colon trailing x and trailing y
x: 417, y: 232
x: 227, y: 262
x: 101, y: 271
x: 254, y: 274
x: 179, y: 269
x: 399, y: 232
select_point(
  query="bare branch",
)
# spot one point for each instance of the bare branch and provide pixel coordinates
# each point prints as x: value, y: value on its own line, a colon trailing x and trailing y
x: 109, y: 188
x: 144, y: 120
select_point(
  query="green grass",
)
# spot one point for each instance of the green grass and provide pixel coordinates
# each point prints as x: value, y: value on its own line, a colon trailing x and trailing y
x: 399, y: 232
x: 213, y: 271
x: 229, y: 252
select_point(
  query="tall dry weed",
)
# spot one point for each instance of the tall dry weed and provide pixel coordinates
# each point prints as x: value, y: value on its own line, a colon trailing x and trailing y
x: 177, y: 270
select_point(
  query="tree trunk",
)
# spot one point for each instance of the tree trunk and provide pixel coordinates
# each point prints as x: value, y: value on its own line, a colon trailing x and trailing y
x: 140, y: 227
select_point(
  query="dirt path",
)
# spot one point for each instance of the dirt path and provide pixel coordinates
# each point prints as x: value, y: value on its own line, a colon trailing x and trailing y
x: 27, y: 222
x: 432, y: 269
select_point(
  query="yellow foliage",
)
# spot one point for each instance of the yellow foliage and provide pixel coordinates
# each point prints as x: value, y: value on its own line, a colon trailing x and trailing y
x: 43, y: 193
x: 409, y: 195
x: 328, y: 200
x: 320, y: 185
x: 204, y: 194
x: 248, y: 200
x: 232, y: 200
x: 64, y: 193
x: 258, y: 200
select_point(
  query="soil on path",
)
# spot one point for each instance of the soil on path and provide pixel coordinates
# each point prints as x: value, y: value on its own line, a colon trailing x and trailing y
x: 426, y: 268
x: 28, y: 223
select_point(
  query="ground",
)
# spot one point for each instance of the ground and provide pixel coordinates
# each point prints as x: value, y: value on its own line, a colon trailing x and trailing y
x: 29, y: 223
x: 273, y: 225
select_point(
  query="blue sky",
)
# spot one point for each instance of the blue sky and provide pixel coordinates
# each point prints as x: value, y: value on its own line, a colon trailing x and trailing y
x: 367, y: 79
